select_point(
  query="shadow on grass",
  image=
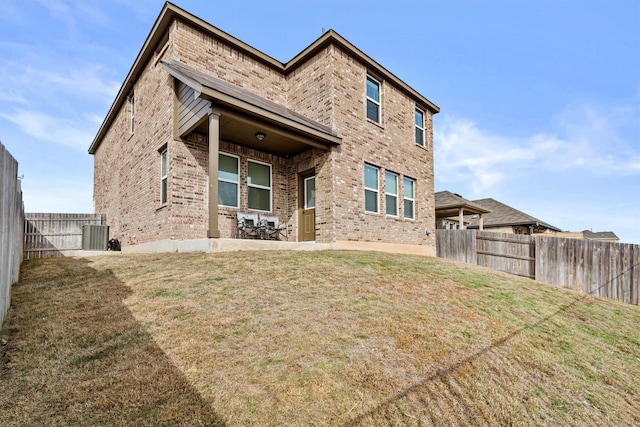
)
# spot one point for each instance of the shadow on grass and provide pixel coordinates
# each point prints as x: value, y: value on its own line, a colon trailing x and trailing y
x: 75, y: 355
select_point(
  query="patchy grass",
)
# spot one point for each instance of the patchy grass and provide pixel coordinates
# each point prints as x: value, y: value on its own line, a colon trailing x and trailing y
x: 310, y: 338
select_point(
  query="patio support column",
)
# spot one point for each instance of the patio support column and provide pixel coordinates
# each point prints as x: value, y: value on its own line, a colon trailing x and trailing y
x: 214, y: 141
x: 481, y: 222
x: 461, y: 219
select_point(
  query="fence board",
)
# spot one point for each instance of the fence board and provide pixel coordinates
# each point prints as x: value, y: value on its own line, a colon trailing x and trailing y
x: 46, y: 235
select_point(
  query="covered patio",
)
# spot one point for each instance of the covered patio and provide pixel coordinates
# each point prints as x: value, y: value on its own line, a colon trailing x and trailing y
x: 452, y: 207
x: 225, y: 112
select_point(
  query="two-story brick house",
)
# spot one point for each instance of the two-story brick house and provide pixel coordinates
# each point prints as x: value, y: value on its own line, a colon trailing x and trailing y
x: 331, y: 142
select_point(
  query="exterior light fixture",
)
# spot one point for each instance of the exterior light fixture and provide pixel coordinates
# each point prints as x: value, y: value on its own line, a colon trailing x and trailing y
x: 260, y: 136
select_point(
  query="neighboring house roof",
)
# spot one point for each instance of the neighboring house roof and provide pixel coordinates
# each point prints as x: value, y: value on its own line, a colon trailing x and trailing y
x: 238, y: 98
x: 599, y: 235
x: 448, y: 204
x: 504, y: 215
x: 171, y: 12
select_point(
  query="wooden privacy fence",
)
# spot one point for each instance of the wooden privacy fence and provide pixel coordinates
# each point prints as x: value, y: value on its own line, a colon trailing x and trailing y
x: 11, y: 215
x: 605, y: 269
x: 46, y: 235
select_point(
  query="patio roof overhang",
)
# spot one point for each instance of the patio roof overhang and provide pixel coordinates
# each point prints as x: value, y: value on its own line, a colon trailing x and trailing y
x: 454, y: 210
x: 243, y: 114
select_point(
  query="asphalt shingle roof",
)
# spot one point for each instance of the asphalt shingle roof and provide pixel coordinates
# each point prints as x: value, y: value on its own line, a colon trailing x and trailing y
x: 504, y: 215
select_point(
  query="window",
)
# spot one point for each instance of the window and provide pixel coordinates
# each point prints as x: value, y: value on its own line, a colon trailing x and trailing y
x: 419, y: 127
x: 373, y: 99
x: 132, y: 110
x: 163, y: 176
x: 310, y: 192
x: 409, y: 198
x: 370, y: 188
x: 391, y: 190
x: 259, y: 186
x: 228, y: 180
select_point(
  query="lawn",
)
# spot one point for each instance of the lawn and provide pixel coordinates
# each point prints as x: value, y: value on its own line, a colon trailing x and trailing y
x: 310, y: 338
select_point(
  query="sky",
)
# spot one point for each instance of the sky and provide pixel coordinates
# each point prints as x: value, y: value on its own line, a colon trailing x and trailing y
x: 540, y: 99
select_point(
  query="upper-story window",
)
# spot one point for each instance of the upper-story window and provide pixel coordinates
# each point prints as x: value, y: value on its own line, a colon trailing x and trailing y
x: 370, y: 188
x: 373, y: 99
x: 259, y: 186
x: 419, y: 127
x: 132, y: 105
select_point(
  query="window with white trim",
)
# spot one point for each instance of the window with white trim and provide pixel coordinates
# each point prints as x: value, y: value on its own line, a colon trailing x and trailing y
x: 132, y: 111
x: 259, y: 186
x: 370, y: 188
x: 163, y: 176
x: 228, y: 180
x: 391, y: 193
x: 373, y: 99
x: 419, y: 119
x: 409, y: 200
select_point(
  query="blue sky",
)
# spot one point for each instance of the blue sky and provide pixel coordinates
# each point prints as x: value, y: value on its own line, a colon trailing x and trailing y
x: 540, y: 100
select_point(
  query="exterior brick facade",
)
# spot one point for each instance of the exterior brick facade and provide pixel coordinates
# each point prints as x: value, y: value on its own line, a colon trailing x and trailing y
x: 326, y: 84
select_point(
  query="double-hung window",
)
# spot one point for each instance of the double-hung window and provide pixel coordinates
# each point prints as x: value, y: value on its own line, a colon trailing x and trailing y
x: 228, y: 180
x: 163, y: 176
x: 370, y: 188
x: 259, y: 186
x: 409, y: 190
x: 391, y: 193
x: 419, y: 127
x: 373, y: 99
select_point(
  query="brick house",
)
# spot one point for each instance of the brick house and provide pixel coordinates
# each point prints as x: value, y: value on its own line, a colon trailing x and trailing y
x: 331, y: 142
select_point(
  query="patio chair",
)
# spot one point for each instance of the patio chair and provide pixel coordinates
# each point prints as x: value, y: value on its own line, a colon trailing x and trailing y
x: 272, y: 229
x: 248, y: 226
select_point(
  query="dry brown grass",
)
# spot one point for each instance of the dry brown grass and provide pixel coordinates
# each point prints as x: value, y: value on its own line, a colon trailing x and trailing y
x: 310, y: 338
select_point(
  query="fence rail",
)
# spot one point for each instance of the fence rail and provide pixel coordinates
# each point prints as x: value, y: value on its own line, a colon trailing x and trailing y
x: 47, y: 235
x: 605, y: 269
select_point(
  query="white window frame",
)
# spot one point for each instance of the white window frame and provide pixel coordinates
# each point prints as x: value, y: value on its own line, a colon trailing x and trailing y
x: 378, y: 102
x: 420, y: 127
x: 237, y: 183
x: 306, y: 181
x: 412, y: 200
x: 164, y: 164
x: 261, y: 187
x: 374, y: 190
x: 390, y: 194
x: 132, y: 114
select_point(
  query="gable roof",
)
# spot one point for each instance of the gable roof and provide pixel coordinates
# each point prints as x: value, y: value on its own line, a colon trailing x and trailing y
x: 599, y: 235
x: 505, y: 215
x: 449, y: 204
x: 238, y: 98
x: 171, y: 12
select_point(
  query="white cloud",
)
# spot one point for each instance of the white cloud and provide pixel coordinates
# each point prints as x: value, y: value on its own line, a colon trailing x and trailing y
x: 589, y: 141
x: 53, y: 129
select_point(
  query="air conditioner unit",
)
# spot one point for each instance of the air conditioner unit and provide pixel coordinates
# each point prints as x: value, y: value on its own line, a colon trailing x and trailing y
x: 95, y: 237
